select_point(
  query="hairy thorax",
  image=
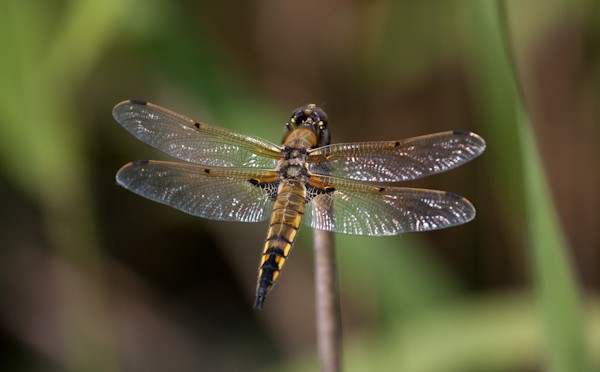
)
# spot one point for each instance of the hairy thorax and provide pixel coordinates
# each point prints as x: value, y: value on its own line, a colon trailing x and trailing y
x: 293, y: 165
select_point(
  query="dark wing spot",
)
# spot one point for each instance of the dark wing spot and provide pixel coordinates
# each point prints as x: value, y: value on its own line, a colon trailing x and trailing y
x: 269, y: 187
x: 206, y: 170
x: 453, y: 195
x: 461, y: 133
x: 140, y: 162
x: 381, y: 189
x: 138, y: 102
x: 197, y: 125
x: 312, y: 192
x: 396, y: 144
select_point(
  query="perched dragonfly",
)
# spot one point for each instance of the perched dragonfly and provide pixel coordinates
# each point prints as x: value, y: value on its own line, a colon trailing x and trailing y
x: 231, y: 176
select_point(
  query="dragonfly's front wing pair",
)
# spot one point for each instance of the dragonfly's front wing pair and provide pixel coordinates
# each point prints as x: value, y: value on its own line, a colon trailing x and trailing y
x: 381, y: 161
x: 248, y: 195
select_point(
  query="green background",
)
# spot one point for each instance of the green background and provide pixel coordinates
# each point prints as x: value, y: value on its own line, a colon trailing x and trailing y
x: 94, y: 278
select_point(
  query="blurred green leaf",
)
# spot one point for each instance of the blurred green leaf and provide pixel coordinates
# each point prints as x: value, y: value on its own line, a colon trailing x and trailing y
x: 553, y: 269
x: 42, y: 151
x: 527, y: 194
x: 498, y: 332
x: 394, y: 275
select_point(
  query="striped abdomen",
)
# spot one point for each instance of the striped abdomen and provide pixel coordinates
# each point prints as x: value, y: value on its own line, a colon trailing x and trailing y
x: 285, y: 222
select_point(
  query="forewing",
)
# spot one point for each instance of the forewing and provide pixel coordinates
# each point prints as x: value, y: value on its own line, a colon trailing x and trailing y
x: 192, y: 141
x: 216, y: 194
x: 353, y: 208
x: 394, y: 161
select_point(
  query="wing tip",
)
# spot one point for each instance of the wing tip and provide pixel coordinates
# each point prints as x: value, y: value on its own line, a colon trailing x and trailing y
x: 466, y: 133
x: 459, y: 198
x: 120, y: 176
x: 125, y: 105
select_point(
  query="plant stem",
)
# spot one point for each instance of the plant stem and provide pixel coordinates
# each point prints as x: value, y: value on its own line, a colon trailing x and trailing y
x: 327, y: 302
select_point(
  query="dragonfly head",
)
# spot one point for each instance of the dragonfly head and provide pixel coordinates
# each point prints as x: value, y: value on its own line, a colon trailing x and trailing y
x: 312, y: 117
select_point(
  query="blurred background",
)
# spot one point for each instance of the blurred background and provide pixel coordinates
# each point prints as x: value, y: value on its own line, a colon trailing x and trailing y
x: 95, y: 278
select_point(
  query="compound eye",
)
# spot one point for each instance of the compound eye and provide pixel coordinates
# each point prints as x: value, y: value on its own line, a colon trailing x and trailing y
x: 321, y: 118
x: 310, y: 114
x: 297, y: 116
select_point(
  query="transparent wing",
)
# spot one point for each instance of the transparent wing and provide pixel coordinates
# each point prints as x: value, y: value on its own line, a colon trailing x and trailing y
x: 216, y: 194
x: 192, y: 141
x: 393, y: 161
x: 353, y: 208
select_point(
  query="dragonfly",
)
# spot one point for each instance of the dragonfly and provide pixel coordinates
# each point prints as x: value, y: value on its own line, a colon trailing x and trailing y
x: 343, y: 188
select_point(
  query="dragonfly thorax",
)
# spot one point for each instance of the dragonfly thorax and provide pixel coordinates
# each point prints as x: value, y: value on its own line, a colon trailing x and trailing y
x: 294, y: 172
x: 293, y: 165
